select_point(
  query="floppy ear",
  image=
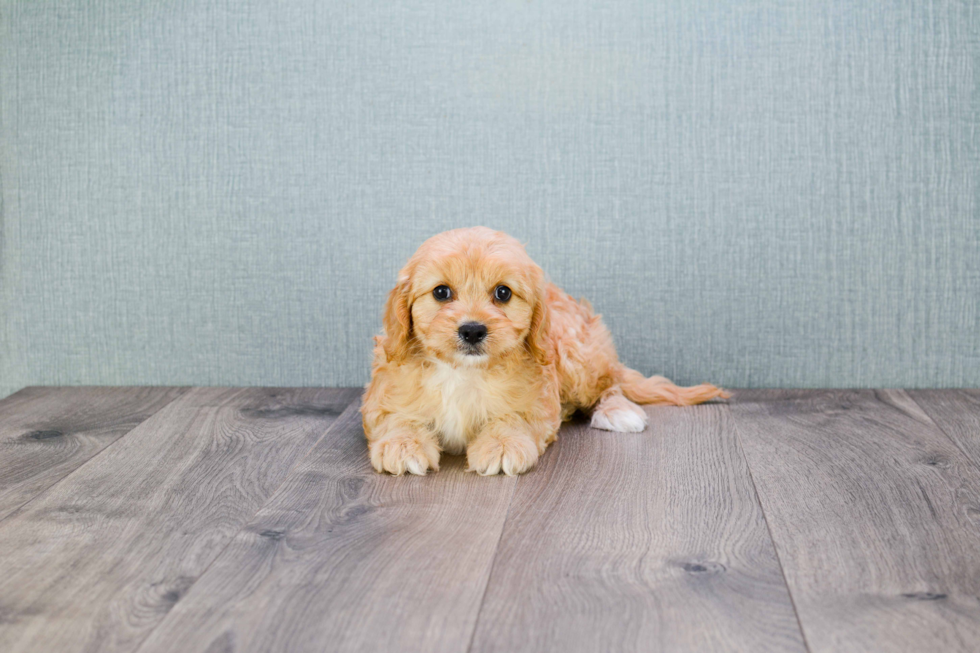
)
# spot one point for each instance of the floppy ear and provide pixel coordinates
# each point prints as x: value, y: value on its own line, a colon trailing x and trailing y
x: 397, y: 320
x: 537, y: 335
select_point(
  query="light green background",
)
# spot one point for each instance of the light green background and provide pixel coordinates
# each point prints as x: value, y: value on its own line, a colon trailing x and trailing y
x: 755, y: 193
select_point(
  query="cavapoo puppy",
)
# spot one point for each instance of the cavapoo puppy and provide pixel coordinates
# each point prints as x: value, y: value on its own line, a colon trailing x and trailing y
x: 481, y: 355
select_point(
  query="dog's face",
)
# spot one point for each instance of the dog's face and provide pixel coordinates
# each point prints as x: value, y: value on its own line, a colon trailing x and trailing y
x: 467, y: 296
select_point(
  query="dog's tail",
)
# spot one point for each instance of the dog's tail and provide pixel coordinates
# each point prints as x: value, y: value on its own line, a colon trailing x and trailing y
x: 658, y: 390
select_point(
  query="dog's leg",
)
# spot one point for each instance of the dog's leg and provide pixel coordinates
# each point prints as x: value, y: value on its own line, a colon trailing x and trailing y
x: 405, y: 448
x: 504, y: 445
x: 614, y: 412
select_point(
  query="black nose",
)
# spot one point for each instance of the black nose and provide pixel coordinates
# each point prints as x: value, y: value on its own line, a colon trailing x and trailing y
x: 473, y: 332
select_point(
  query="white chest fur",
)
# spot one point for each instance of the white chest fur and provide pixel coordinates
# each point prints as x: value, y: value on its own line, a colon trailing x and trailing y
x: 464, y: 403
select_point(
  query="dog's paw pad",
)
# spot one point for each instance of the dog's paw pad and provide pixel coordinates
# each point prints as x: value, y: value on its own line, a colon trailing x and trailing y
x: 624, y: 419
x: 488, y: 456
x: 398, y: 454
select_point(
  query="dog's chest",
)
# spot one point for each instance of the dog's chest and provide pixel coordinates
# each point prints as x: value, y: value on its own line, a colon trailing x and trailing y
x: 465, y: 402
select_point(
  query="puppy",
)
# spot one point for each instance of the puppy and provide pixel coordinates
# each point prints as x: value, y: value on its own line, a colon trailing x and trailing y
x: 481, y: 355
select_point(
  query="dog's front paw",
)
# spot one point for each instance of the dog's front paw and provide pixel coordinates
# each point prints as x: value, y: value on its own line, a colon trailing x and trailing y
x: 405, y: 452
x: 510, y: 453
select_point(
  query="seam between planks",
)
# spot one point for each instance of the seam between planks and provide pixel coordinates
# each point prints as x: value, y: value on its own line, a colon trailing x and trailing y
x: 765, y: 519
x: 353, y: 404
x: 98, y: 453
x: 493, y: 563
x: 969, y: 458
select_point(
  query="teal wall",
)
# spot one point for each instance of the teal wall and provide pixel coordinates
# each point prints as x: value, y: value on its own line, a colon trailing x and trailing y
x: 755, y: 193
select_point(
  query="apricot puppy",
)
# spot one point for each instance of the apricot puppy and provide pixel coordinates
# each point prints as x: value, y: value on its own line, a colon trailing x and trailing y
x: 480, y: 355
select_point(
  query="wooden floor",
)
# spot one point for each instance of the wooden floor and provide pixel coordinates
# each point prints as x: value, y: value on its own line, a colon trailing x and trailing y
x: 222, y: 519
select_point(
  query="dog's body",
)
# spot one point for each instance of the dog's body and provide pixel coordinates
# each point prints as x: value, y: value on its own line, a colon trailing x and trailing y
x: 480, y: 355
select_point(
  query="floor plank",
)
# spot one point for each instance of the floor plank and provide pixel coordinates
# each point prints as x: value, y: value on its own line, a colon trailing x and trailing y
x: 95, y: 563
x: 875, y: 515
x: 957, y: 414
x: 647, y: 541
x: 47, y: 433
x: 345, y: 559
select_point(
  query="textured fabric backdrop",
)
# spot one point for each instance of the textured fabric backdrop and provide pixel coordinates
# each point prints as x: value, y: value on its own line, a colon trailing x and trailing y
x: 755, y: 193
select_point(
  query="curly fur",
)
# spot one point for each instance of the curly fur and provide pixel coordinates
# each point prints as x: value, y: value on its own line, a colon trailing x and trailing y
x: 545, y: 356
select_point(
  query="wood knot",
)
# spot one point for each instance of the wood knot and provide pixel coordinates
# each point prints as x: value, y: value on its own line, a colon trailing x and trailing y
x: 703, y: 567
x: 924, y: 596
x: 50, y: 434
x: 174, y: 590
x: 273, y: 535
x: 286, y: 412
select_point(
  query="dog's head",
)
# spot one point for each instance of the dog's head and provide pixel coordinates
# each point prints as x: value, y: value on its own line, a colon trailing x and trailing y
x: 467, y: 296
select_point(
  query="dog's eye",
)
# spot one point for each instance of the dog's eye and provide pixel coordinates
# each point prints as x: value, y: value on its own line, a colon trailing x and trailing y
x: 502, y: 294
x: 442, y: 293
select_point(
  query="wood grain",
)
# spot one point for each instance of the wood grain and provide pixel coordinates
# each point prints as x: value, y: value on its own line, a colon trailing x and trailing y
x: 875, y: 515
x: 250, y: 520
x: 47, y: 433
x: 98, y: 561
x: 345, y: 559
x: 957, y: 414
x: 647, y: 541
